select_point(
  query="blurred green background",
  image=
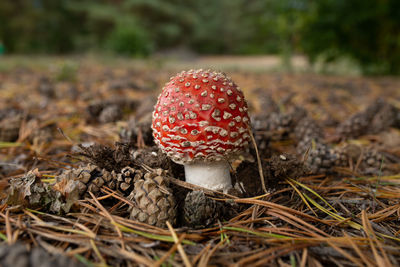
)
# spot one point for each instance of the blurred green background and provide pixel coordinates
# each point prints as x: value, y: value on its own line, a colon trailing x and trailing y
x: 365, y: 32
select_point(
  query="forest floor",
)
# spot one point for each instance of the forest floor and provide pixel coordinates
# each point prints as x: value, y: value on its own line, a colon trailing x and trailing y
x: 329, y: 148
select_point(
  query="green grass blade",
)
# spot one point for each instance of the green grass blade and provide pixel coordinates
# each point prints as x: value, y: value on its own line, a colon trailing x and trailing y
x: 268, y: 235
x: 84, y: 260
x: 313, y: 192
x: 333, y: 215
x: 9, y: 144
x: 2, y: 236
x: 164, y: 238
x: 36, y: 211
x: 301, y: 196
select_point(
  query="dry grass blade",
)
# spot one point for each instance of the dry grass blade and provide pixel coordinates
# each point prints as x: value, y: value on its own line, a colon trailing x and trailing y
x: 8, y: 228
x: 131, y: 256
x: 110, y: 218
x: 363, y: 257
x: 384, y: 214
x: 170, y: 251
x: 68, y: 238
x: 201, y: 253
x: 180, y: 248
x: 346, y: 254
x: 280, y: 252
x: 205, y: 258
x: 304, y: 258
x: 292, y: 220
x: 267, y: 235
x: 276, y: 206
x: 382, y: 260
x: 164, y: 238
x: 98, y: 254
x: 89, y: 232
x: 42, y: 223
x: 279, y: 210
x: 264, y: 257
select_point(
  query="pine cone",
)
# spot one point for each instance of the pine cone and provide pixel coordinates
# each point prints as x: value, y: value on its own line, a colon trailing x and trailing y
x: 90, y: 178
x: 371, y: 162
x: 126, y: 179
x: 274, y: 127
x: 266, y: 101
x: 297, y: 114
x: 110, y: 110
x: 321, y: 158
x: 359, y: 123
x: 275, y: 122
x: 385, y: 118
x: 27, y: 190
x: 347, y: 154
x: 199, y: 210
x: 279, y: 122
x: 110, y: 113
x: 154, y: 201
x: 30, y: 191
x: 354, y: 127
x: 285, y: 123
x: 109, y: 158
x: 306, y: 143
x: 308, y: 128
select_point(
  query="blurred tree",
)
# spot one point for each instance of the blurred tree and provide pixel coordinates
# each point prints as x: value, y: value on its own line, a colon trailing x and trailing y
x: 112, y: 27
x: 37, y: 26
x: 220, y: 26
x: 128, y: 38
x: 367, y: 31
x: 226, y: 26
x: 281, y: 22
x: 2, y: 49
x: 169, y: 23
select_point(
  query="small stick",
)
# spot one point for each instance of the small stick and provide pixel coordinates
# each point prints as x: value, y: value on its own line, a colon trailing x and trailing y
x: 180, y: 248
x: 65, y: 136
x: 8, y: 228
x: 260, y: 170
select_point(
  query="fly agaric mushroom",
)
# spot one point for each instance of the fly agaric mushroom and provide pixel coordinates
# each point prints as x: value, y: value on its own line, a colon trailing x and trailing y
x: 201, y: 121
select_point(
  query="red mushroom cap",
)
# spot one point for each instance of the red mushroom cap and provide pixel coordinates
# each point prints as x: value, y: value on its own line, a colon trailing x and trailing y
x: 201, y: 115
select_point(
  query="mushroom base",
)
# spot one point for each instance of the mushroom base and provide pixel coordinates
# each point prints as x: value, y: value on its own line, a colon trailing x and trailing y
x: 212, y: 175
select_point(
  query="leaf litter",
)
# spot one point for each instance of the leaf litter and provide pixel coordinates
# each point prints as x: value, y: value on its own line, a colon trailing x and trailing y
x: 332, y: 194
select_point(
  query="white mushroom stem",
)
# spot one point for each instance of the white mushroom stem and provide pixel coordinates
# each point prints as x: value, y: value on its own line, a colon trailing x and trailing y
x: 212, y: 175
